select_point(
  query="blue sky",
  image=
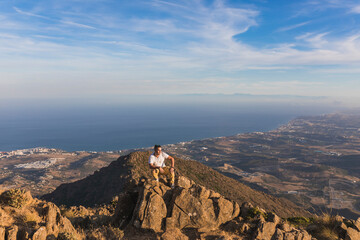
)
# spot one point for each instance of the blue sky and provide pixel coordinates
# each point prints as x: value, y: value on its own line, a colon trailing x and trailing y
x: 96, y: 48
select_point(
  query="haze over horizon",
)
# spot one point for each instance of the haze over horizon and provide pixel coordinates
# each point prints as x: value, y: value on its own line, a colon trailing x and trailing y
x: 106, y: 48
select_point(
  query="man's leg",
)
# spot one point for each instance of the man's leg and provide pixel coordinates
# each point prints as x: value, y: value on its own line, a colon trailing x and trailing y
x: 170, y: 175
x: 155, y: 173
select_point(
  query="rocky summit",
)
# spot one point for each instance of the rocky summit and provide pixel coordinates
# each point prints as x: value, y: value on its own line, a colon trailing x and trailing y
x: 124, y: 175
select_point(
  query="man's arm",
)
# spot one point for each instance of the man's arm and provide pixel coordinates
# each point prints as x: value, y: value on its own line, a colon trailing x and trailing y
x: 172, y: 161
x: 152, y: 166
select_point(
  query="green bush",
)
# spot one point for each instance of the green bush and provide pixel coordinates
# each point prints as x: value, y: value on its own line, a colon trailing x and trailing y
x: 255, y: 211
x: 299, y: 221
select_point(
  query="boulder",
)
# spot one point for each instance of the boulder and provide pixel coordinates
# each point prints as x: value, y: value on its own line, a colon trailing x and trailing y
x: 40, y: 234
x: 2, y: 233
x: 184, y: 182
x: 352, y: 234
x: 265, y: 230
x: 150, y: 209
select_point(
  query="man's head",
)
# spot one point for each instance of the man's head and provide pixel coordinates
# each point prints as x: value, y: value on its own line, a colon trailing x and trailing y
x: 157, y: 149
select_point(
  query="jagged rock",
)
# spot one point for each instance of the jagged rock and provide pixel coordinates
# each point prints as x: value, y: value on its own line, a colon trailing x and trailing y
x: 182, y: 207
x: 357, y: 224
x: 193, y: 208
x: 244, y: 210
x: 341, y: 228
x: 278, y: 235
x: 174, y: 234
x: 40, y: 234
x: 150, y: 209
x: 272, y: 217
x: 352, y: 234
x: 265, y: 230
x: 11, y: 233
x: 2, y: 233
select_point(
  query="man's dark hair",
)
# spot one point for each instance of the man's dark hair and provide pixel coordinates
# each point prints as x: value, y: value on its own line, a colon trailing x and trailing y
x: 156, y: 147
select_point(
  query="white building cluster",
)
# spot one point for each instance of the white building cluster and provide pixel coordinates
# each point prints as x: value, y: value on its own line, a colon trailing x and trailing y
x: 28, y: 151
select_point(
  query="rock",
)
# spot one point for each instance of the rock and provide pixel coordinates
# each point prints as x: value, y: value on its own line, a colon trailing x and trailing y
x: 272, y: 217
x: 297, y: 235
x: 244, y: 210
x: 150, y: 210
x: 265, y: 230
x: 11, y: 233
x: 2, y: 233
x: 184, y: 182
x: 357, y: 224
x: 285, y: 227
x: 341, y: 228
x: 51, y: 214
x: 199, y: 192
x: 352, y: 234
x: 190, y: 211
x: 278, y: 235
x: 40, y: 234
x: 173, y: 234
x: 214, y: 194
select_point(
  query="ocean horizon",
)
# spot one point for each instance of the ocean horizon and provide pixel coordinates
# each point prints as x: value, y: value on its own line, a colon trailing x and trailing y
x: 112, y: 128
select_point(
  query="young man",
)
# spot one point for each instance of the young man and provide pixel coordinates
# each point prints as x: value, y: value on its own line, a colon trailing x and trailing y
x: 157, y: 165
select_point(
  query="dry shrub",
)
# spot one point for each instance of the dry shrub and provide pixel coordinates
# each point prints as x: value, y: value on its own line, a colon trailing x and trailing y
x: 66, y: 236
x: 16, y: 198
x: 325, y: 227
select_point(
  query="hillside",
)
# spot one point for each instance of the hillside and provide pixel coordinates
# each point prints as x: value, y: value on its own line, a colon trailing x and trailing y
x: 125, y: 173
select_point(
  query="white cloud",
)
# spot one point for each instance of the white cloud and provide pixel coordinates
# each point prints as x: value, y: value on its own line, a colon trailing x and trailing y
x: 355, y: 9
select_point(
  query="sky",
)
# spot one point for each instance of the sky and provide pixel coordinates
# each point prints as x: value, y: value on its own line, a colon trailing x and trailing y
x: 107, y: 48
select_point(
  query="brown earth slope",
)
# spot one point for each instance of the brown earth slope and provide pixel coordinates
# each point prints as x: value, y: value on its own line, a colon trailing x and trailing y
x: 126, y: 172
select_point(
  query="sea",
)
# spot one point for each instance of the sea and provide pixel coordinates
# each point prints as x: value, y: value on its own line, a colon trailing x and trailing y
x: 112, y: 127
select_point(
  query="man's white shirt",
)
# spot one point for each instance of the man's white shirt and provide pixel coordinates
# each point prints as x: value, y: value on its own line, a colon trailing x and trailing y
x: 158, y: 161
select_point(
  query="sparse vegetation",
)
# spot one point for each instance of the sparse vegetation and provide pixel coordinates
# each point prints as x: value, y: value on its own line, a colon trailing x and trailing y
x: 325, y: 227
x: 16, y: 198
x: 255, y: 211
x: 300, y: 221
x: 66, y: 236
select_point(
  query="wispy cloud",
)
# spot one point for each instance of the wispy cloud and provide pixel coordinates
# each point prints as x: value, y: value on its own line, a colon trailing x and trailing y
x: 30, y: 14
x: 76, y: 24
x: 287, y: 28
x: 67, y: 22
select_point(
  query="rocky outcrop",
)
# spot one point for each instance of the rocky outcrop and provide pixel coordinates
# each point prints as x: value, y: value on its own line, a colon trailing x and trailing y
x: 22, y: 217
x: 187, y: 206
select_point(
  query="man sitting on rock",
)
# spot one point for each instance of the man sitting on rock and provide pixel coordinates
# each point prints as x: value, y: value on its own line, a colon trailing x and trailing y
x: 157, y: 165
